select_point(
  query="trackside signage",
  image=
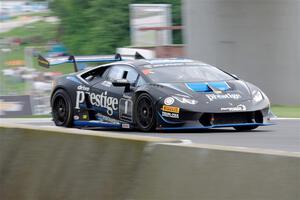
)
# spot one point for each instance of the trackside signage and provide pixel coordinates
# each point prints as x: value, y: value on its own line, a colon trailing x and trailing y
x: 13, y: 106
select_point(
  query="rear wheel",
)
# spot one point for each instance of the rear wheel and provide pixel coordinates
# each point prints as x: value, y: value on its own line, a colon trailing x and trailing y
x: 145, y: 113
x: 61, y: 109
x: 244, y: 128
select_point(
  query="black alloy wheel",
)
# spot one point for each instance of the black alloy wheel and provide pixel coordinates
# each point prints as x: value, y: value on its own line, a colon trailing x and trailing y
x: 61, y: 109
x: 145, y: 113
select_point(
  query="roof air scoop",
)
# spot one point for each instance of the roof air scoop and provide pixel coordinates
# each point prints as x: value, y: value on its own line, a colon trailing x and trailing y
x: 216, y: 87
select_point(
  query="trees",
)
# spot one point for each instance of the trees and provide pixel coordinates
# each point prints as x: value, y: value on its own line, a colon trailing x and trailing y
x: 100, y: 26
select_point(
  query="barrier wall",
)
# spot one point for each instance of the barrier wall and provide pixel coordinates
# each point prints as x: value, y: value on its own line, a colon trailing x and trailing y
x: 58, y: 163
x: 217, y: 173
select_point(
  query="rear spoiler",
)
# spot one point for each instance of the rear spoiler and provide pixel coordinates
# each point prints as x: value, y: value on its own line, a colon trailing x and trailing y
x: 47, y: 62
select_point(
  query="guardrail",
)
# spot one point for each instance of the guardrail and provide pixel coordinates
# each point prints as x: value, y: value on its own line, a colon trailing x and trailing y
x: 58, y: 163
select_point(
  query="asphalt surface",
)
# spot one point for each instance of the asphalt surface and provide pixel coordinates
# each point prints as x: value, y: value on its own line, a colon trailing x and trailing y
x: 284, y: 136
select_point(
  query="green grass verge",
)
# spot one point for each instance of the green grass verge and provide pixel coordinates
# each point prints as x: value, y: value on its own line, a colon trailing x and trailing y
x: 286, y: 111
x: 41, y: 30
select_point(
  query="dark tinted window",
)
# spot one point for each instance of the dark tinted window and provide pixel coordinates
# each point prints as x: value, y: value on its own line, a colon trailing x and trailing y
x: 94, y: 75
x: 187, y: 73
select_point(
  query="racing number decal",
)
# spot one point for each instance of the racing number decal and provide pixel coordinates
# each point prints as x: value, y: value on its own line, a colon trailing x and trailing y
x: 125, y: 109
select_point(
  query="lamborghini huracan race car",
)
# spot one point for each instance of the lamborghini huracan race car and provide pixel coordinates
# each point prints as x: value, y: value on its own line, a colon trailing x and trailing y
x: 149, y: 94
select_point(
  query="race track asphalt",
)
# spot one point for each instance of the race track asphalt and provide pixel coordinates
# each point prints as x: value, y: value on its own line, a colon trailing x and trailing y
x: 284, y: 136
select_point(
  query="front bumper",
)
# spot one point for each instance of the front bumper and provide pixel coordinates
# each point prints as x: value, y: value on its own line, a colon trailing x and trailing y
x: 196, y: 120
x: 188, y: 127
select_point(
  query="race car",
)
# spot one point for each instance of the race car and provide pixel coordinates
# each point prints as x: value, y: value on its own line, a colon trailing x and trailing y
x: 149, y: 94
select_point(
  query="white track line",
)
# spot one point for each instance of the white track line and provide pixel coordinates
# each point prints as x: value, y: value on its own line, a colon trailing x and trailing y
x: 282, y: 118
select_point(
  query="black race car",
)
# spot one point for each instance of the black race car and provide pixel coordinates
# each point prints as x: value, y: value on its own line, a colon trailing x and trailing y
x: 150, y: 94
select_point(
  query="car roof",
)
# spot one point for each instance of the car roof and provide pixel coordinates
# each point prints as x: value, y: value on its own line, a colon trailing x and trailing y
x: 160, y: 62
x: 149, y: 63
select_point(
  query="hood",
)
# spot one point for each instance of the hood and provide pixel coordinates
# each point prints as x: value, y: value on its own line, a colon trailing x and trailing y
x: 233, y: 90
x: 221, y: 96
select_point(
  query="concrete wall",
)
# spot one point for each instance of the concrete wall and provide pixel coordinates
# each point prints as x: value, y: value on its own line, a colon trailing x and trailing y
x: 258, y: 40
x: 58, y: 163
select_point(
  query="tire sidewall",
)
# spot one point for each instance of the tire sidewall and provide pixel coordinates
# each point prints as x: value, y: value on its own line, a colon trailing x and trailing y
x: 153, y: 123
x: 62, y: 93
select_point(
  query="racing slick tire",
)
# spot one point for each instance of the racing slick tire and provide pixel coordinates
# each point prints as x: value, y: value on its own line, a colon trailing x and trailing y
x: 144, y: 113
x: 245, y: 128
x: 62, y: 112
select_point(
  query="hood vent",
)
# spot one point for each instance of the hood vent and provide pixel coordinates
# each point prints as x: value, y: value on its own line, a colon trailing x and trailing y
x: 208, y: 87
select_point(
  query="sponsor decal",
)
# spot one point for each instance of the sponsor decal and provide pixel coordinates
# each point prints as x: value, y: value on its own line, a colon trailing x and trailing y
x: 171, y: 109
x: 84, y: 88
x: 106, y: 119
x: 84, y: 117
x: 213, y: 97
x: 185, y: 100
x: 171, y: 115
x: 125, y: 109
x: 169, y: 101
x: 240, y: 107
x: 125, y: 126
x: 99, y: 100
x: 76, y: 117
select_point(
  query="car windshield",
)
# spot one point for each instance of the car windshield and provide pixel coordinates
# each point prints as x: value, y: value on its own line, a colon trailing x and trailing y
x: 186, y: 73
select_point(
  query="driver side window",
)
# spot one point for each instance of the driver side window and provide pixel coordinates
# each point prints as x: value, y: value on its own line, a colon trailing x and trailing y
x: 122, y: 72
x: 115, y: 73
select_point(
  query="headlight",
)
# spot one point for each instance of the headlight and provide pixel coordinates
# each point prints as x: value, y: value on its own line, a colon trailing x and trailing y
x: 185, y: 100
x: 257, y: 96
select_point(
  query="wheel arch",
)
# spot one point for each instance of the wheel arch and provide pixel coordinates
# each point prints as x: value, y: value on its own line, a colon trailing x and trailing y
x: 138, y: 93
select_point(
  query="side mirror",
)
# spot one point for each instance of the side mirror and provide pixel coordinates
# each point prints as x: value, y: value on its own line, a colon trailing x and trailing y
x: 122, y: 83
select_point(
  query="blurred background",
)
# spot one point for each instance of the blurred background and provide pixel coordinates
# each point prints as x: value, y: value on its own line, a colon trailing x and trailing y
x: 258, y: 40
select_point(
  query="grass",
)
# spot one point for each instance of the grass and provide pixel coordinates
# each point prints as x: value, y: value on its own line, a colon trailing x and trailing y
x: 286, y: 111
x: 40, y: 14
x: 41, y: 29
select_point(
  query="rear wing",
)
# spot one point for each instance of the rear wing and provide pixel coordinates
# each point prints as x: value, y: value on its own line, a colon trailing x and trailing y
x: 52, y: 61
x: 49, y: 62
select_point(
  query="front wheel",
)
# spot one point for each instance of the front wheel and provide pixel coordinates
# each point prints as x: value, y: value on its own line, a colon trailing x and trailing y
x: 144, y: 113
x: 62, y: 109
x: 245, y: 128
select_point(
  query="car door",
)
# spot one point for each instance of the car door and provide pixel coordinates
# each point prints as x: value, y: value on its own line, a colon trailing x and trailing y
x: 121, y: 110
